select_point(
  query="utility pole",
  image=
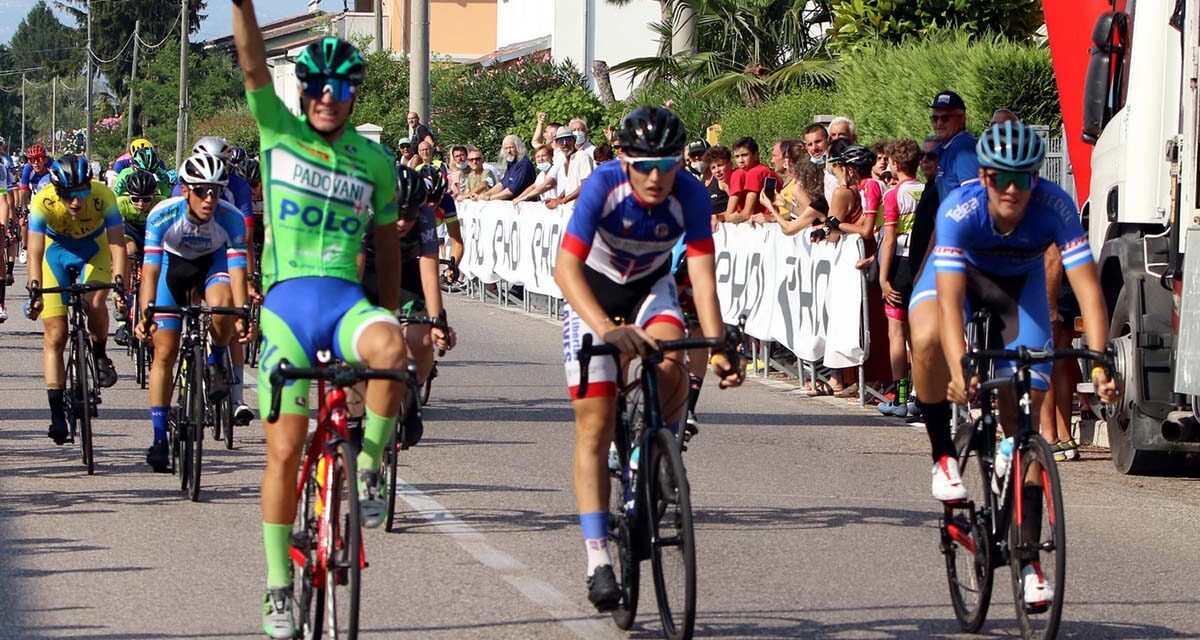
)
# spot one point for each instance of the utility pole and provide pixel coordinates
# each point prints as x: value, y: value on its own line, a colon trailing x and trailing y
x: 378, y: 25
x: 54, y: 115
x: 137, y: 26
x: 181, y: 134
x: 23, y: 147
x: 418, y: 60
x: 87, y: 146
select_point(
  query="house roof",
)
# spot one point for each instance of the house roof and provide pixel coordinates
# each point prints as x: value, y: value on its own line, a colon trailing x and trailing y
x: 512, y: 52
x: 280, y: 35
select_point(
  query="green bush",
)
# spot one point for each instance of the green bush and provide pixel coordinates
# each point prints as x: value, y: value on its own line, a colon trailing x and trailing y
x: 783, y: 117
x: 865, y: 23
x: 696, y: 112
x: 235, y: 124
x: 561, y: 104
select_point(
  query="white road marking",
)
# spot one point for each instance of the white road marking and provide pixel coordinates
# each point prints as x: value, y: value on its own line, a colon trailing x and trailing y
x: 511, y: 570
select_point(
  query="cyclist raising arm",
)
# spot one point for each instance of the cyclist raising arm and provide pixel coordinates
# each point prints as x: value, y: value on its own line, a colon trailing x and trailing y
x: 73, y: 225
x: 321, y: 183
x: 614, y: 270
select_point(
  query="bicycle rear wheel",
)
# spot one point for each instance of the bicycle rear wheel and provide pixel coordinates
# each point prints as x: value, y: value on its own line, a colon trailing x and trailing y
x: 1038, y: 538
x: 343, y: 545
x: 196, y: 436
x: 672, y: 539
x: 309, y: 577
x: 388, y: 470
x: 83, y: 399
x: 967, y: 541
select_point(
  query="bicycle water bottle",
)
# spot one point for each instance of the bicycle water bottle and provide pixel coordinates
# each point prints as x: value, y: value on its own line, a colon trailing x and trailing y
x: 1003, y: 460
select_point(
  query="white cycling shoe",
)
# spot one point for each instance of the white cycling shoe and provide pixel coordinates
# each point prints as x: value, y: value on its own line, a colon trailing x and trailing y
x: 947, y: 483
x: 1038, y: 591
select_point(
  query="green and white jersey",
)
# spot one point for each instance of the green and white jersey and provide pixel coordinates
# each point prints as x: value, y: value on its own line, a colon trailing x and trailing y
x: 318, y: 197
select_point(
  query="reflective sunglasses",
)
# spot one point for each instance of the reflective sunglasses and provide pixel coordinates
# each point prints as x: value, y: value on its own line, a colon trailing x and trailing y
x: 206, y: 191
x: 646, y: 165
x: 1001, y: 180
x: 74, y: 194
x: 316, y: 86
x: 141, y: 199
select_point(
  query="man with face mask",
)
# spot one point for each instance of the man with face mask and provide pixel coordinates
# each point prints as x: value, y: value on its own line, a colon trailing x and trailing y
x: 458, y: 166
x: 518, y: 175
x: 580, y: 130
x: 696, y: 165
x: 566, y: 176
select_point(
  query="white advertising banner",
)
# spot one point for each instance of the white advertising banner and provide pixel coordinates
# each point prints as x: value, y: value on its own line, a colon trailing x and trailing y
x: 807, y: 296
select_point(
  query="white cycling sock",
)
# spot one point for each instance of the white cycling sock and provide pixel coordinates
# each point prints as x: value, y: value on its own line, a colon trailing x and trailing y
x: 597, y: 554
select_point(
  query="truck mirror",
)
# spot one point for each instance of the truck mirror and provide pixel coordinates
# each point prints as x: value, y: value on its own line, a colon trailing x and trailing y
x: 1102, y: 91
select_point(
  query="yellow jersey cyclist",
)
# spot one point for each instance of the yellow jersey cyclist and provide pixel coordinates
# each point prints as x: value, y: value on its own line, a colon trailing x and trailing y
x: 195, y: 244
x: 141, y: 196
x: 615, y: 264
x: 420, y: 294
x: 322, y: 183
x: 73, y: 226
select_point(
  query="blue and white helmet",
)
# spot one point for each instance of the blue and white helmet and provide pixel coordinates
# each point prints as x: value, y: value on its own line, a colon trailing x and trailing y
x: 1010, y: 146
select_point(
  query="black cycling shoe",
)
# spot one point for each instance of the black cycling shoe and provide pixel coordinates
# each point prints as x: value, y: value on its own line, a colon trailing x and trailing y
x: 59, y: 433
x: 10, y: 279
x: 106, y: 373
x: 242, y: 415
x: 159, y: 457
x: 121, y: 335
x: 603, y: 591
x: 414, y: 428
x: 218, y: 385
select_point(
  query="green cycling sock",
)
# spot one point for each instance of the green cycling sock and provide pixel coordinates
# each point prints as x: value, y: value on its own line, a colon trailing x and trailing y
x: 377, y: 430
x: 277, y: 538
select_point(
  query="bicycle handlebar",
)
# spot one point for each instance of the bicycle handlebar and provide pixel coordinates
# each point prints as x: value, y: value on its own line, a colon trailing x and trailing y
x: 729, y: 344
x: 1026, y: 356
x: 440, y: 323
x: 242, y: 312
x: 340, y: 375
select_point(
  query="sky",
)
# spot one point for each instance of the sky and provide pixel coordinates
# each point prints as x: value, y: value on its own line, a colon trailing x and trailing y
x: 214, y: 26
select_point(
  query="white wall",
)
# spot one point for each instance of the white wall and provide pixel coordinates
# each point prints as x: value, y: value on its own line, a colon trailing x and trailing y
x: 283, y: 75
x: 522, y: 20
x: 588, y: 30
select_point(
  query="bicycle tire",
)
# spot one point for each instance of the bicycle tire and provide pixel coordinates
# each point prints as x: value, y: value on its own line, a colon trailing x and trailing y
x: 1051, y: 544
x: 309, y: 579
x: 225, y: 406
x: 84, y: 399
x: 388, y: 470
x: 967, y: 549
x: 69, y: 409
x: 196, y: 398
x: 428, y: 386
x: 344, y: 550
x: 626, y: 566
x: 670, y: 519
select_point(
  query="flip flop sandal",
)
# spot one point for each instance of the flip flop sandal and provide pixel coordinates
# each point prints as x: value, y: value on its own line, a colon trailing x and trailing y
x: 848, y: 392
x: 820, y: 388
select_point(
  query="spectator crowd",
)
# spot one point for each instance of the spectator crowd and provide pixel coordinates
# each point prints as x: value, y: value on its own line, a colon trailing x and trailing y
x: 825, y: 183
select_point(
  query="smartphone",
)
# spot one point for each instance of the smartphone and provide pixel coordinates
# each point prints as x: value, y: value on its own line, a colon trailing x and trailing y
x: 769, y: 186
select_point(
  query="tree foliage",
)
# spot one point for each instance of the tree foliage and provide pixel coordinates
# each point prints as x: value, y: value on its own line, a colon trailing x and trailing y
x: 859, y: 23
x: 561, y: 104
x: 41, y: 41
x: 112, y: 26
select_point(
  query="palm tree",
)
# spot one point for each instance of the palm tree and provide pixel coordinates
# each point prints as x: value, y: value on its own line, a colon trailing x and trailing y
x: 751, y: 49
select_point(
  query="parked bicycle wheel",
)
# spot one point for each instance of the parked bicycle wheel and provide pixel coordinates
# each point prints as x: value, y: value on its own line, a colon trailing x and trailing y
x: 967, y: 541
x: 1038, y: 540
x: 343, y: 550
x: 673, y: 542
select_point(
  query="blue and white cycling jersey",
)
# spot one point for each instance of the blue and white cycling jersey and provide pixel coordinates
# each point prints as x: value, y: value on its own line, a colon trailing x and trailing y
x: 170, y: 229
x: 966, y: 234
x: 619, y: 237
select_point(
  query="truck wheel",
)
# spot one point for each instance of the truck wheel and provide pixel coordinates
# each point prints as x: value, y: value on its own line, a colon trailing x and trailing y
x: 1120, y: 417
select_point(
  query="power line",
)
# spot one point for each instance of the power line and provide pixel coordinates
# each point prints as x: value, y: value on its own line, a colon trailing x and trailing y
x: 170, y: 30
x: 99, y: 62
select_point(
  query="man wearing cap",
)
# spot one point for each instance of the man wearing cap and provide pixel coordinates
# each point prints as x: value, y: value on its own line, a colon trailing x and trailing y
x: 956, y: 147
x: 695, y: 156
x: 407, y: 155
x: 568, y: 175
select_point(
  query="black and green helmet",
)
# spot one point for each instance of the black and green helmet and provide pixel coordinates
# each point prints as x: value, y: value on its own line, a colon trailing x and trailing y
x: 333, y: 58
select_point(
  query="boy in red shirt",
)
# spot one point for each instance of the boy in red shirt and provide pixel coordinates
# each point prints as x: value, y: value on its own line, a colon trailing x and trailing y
x: 746, y: 185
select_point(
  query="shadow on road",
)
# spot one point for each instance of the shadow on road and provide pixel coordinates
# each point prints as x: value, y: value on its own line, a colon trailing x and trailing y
x: 783, y: 518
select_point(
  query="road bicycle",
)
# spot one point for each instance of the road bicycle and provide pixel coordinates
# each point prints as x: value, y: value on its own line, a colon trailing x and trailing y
x: 390, y: 460
x: 253, y: 348
x: 433, y: 373
x: 138, y: 350
x: 1002, y: 522
x: 651, y: 510
x: 327, y: 535
x: 81, y: 395
x: 192, y: 410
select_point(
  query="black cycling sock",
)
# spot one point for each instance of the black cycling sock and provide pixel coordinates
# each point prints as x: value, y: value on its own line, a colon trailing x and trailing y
x: 694, y: 385
x: 58, y: 414
x: 937, y: 425
x: 98, y: 347
x: 1031, y: 519
x: 3, y: 292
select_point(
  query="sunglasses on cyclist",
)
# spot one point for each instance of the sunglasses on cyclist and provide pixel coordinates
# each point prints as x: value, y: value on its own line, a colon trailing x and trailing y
x: 206, y: 191
x: 646, y: 165
x: 315, y: 86
x: 141, y: 199
x: 1002, y: 180
x: 73, y: 194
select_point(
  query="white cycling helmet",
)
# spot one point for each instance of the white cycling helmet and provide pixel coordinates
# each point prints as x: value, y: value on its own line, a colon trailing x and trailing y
x: 214, y: 146
x: 204, y: 168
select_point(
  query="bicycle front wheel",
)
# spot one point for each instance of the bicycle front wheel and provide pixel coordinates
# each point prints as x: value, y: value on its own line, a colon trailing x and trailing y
x: 83, y: 399
x: 967, y: 541
x: 672, y: 539
x: 388, y: 470
x: 196, y: 409
x: 1037, y: 541
x: 626, y: 565
x: 343, y: 550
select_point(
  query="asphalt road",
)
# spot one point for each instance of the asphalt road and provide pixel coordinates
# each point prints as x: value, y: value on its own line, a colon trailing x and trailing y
x: 813, y: 516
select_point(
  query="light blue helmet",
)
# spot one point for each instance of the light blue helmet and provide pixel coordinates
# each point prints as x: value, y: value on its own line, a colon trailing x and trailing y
x: 1010, y: 146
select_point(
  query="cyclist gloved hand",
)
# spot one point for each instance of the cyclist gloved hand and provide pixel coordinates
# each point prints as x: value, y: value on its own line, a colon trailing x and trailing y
x: 730, y: 374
